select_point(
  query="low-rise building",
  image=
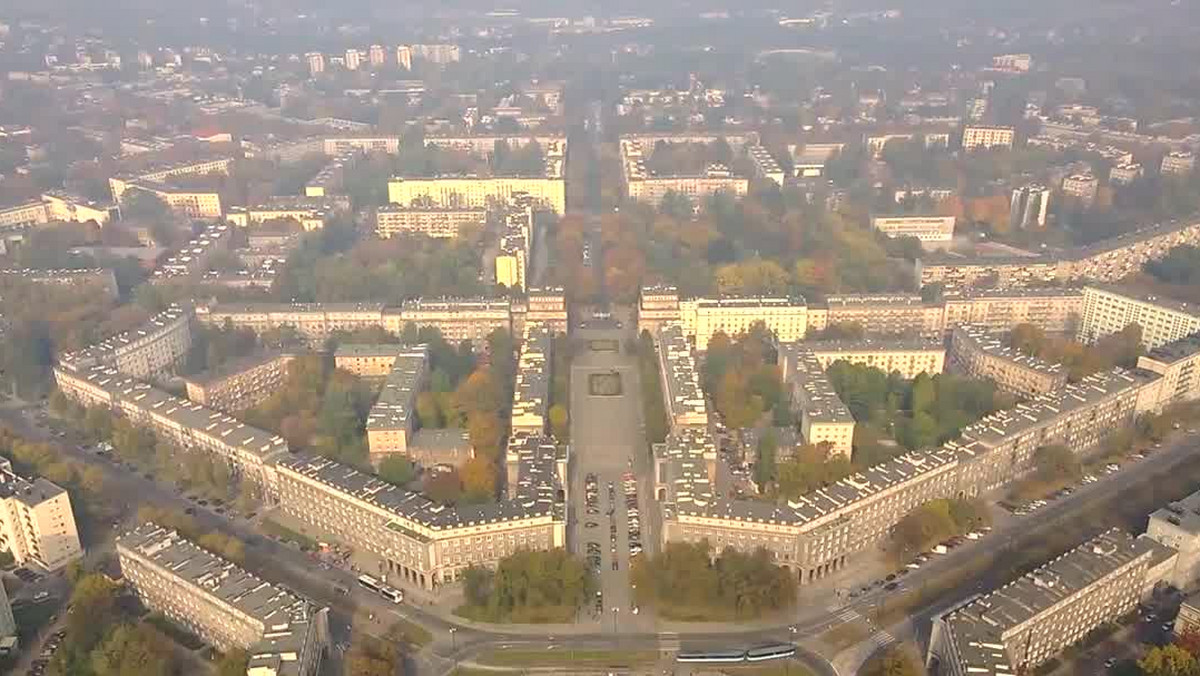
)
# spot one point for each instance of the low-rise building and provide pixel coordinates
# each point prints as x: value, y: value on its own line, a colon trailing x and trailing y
x: 1025, y: 623
x: 1125, y: 174
x: 546, y: 305
x: 310, y: 212
x: 448, y: 447
x: 765, y: 165
x: 469, y: 192
x: 37, y: 525
x: 983, y: 355
x: 644, y: 186
x: 282, y: 633
x: 367, y: 360
x: 241, y: 384
x: 443, y: 223
x: 393, y: 418
x: 934, y: 232
x: 1179, y: 365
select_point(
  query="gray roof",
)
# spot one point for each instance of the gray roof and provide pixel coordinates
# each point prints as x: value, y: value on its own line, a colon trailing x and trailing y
x: 286, y: 617
x: 682, y: 381
x: 394, y: 409
x: 977, y: 629
x: 536, y: 495
x: 993, y: 344
x: 107, y: 350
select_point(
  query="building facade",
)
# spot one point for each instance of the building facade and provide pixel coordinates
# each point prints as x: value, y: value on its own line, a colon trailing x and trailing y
x: 1109, y: 309
x: 446, y: 223
x: 151, y: 351
x: 985, y: 356
x: 240, y: 385
x: 37, y: 525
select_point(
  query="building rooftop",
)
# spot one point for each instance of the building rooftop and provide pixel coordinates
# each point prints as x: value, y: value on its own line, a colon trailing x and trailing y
x: 394, y: 409
x: 285, y: 616
x: 1133, y: 292
x: 108, y: 349
x: 979, y: 627
x: 681, y: 380
x: 812, y: 390
x: 531, y: 391
x: 993, y: 344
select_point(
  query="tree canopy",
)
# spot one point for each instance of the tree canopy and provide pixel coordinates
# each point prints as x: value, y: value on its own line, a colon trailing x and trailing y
x: 684, y: 582
x: 528, y: 586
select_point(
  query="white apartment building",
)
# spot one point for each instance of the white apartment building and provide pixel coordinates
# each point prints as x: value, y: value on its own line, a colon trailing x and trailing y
x: 934, y: 232
x: 1108, y: 309
x: 987, y: 138
x: 37, y: 525
x: 786, y: 317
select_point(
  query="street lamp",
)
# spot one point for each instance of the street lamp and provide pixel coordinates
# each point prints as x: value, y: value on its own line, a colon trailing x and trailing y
x: 615, y: 610
x: 454, y: 645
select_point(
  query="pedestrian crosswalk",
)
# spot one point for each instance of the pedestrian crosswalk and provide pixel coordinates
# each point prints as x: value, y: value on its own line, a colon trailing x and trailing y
x: 846, y: 614
x: 882, y: 639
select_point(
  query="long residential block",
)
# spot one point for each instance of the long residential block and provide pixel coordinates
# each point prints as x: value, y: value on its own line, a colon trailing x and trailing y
x: 152, y: 350
x: 985, y: 356
x: 283, y: 633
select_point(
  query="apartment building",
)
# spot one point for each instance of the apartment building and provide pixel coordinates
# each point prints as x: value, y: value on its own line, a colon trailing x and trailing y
x: 458, y: 319
x: 161, y: 173
x: 248, y: 451
x: 366, y: 360
x: 819, y: 532
x: 1178, y: 163
x: 442, y: 223
x: 1177, y: 525
x: 644, y: 186
x: 1029, y: 206
x: 657, y: 305
x: 283, y: 633
x: 546, y: 305
x: 24, y: 214
x: 1108, y: 260
x: 8, y: 625
x: 824, y: 419
x: 701, y: 318
x: 765, y: 166
x: 37, y: 525
x: 193, y: 258
x: 241, y: 384
x: 466, y: 192
x: 151, y: 351
x: 1179, y: 365
x: 1025, y: 623
x: 1108, y: 309
x: 393, y: 418
x: 685, y: 467
x: 531, y: 391
x: 342, y: 145
x: 187, y: 202
x: 1083, y: 188
x: 879, y: 314
x: 987, y: 138
x: 71, y: 208
x: 1126, y: 173
x: 682, y: 394
x: 310, y: 213
x: 422, y: 543
x: 934, y: 232
x: 1080, y: 416
x: 908, y: 357
x: 516, y: 243
x: 1052, y: 309
x: 328, y: 180
x: 985, y: 356
x: 100, y: 278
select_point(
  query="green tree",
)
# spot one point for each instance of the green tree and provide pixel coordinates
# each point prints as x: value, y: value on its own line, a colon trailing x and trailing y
x: 131, y: 650
x: 397, y: 469
x: 559, y: 424
x: 233, y: 663
x: 1168, y: 660
x: 895, y: 661
x: 764, y: 462
x: 443, y: 487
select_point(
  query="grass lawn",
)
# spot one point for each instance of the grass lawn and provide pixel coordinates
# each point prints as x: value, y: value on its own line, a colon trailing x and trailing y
x: 781, y: 668
x: 543, y: 615
x: 409, y: 632
x: 604, y: 384
x: 282, y: 532
x: 604, y: 345
x: 621, y: 659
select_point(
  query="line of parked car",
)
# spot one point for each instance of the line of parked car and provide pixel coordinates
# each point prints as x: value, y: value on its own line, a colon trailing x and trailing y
x: 629, y: 483
x: 48, y: 649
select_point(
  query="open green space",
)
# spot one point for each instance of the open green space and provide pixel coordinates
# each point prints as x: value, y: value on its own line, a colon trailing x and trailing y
x: 409, y: 632
x: 781, y: 668
x: 620, y: 659
x: 605, y: 384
